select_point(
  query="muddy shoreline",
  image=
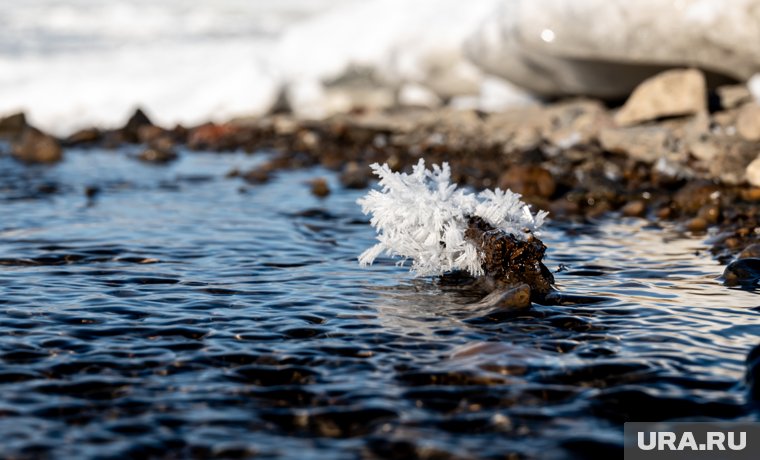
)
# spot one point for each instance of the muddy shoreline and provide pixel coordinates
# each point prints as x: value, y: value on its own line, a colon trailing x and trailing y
x: 576, y: 158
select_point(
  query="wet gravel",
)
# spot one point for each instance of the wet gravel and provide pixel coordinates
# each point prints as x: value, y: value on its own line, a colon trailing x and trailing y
x: 167, y: 311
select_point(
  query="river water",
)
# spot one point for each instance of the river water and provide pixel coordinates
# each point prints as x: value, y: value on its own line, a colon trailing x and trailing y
x: 176, y: 313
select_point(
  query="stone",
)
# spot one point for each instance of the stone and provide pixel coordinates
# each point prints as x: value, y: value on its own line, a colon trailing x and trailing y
x: 752, y: 173
x: 642, y: 143
x: 35, y: 146
x: 319, y: 187
x: 742, y: 272
x: 355, y: 176
x: 574, y: 122
x: 12, y: 126
x: 732, y: 159
x: 671, y: 93
x: 732, y: 96
x: 157, y: 156
x: 529, y: 181
x: 635, y: 208
x: 84, y: 136
x: 135, y: 122
x: 513, y: 298
x: 748, y: 122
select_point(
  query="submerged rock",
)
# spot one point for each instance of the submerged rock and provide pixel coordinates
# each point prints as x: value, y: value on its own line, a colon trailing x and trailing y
x: 509, y: 261
x: 513, y: 298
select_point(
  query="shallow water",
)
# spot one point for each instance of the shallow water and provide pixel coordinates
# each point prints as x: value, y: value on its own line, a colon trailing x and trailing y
x: 180, y: 313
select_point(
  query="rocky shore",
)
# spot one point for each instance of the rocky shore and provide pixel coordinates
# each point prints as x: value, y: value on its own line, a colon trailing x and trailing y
x: 673, y: 151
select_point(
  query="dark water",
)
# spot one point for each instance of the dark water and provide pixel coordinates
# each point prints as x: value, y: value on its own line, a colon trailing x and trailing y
x: 176, y: 315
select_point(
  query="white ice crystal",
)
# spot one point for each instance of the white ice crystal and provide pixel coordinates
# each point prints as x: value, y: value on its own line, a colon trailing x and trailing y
x: 423, y: 217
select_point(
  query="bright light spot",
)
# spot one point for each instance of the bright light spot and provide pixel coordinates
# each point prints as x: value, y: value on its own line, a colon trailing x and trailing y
x: 547, y: 35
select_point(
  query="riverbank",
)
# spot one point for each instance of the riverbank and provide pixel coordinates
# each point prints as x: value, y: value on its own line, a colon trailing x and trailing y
x: 672, y: 152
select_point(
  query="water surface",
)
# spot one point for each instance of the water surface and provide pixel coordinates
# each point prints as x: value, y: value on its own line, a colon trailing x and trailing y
x: 180, y: 313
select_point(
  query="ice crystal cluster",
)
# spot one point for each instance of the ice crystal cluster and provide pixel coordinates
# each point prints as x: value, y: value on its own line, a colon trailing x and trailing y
x: 423, y: 217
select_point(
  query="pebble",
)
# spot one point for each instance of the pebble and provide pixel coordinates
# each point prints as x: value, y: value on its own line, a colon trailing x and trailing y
x: 667, y: 94
x: 635, y: 208
x: 319, y: 187
x: 157, y: 156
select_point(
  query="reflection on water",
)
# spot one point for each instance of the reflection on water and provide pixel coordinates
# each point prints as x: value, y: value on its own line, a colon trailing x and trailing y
x: 178, y: 312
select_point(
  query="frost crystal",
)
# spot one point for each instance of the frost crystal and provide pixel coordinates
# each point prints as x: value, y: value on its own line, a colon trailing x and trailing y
x: 423, y: 217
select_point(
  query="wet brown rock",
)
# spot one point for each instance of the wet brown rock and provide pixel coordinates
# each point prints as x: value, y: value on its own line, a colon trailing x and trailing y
x: 710, y: 213
x: 157, y: 156
x: 257, y: 176
x: 320, y: 188
x: 354, y: 176
x: 509, y: 261
x: 148, y: 134
x: 696, y: 225
x: 748, y: 122
x: 529, y: 181
x: 742, y: 272
x: 135, y: 122
x: 35, y: 146
x: 731, y: 163
x: 751, y: 251
x: 212, y: 136
x: 667, y: 94
x: 732, y: 96
x: 12, y: 126
x: 514, y: 298
x: 750, y: 194
x: 635, y: 208
x: 694, y: 195
x: 84, y: 136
